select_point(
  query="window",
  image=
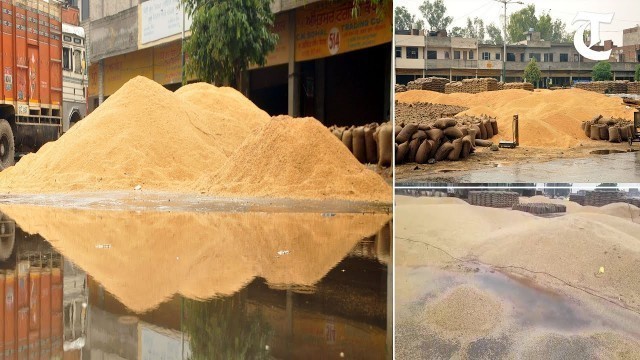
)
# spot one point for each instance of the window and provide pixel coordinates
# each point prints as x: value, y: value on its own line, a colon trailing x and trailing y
x: 498, y: 56
x: 576, y: 58
x: 522, y: 57
x: 638, y: 56
x: 66, y: 58
x: 535, y: 56
x: 66, y: 38
x: 446, y: 55
x: 77, y: 40
x: 470, y: 54
x: 77, y: 60
x: 85, y: 10
x: 511, y: 57
x: 412, y: 52
x: 564, y: 57
x: 486, y: 56
x: 456, y: 55
x: 432, y: 54
x: 548, y: 57
x: 398, y: 52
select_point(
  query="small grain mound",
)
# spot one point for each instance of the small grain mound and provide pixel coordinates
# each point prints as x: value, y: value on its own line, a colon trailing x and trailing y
x: 141, y: 135
x: 465, y: 311
x: 547, y: 118
x: 296, y: 158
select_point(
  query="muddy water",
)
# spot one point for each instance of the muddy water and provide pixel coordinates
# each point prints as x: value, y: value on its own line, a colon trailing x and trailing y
x: 611, y: 167
x: 531, y: 312
x: 196, y: 285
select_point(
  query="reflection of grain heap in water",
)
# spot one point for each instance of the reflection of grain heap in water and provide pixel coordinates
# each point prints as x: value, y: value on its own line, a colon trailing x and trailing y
x: 146, y: 135
x: 547, y: 118
x: 239, y: 246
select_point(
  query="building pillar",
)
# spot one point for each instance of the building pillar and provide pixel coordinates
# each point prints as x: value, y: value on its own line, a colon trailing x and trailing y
x: 319, y: 88
x: 293, y: 96
x: 100, y: 82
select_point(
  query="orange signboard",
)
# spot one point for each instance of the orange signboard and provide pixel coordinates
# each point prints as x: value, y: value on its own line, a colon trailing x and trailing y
x: 329, y: 28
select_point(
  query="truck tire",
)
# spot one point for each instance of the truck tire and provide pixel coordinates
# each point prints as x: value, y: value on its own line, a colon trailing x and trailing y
x: 7, y: 145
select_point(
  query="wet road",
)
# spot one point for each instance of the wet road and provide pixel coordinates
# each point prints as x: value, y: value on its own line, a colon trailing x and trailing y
x: 616, y: 168
x: 195, y: 285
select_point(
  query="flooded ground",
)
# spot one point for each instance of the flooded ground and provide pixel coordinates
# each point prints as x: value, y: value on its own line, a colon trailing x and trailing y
x: 610, y: 166
x: 185, y: 284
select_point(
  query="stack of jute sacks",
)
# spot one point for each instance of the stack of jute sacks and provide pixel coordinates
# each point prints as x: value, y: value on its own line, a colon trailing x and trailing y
x: 495, y: 199
x: 601, y: 198
x: 430, y: 83
x: 540, y: 208
x: 612, y: 130
x: 370, y: 144
x: 609, y: 87
x: 400, y: 88
x: 515, y: 85
x: 472, y: 86
x: 633, y: 88
x: 445, y: 139
x: 577, y: 198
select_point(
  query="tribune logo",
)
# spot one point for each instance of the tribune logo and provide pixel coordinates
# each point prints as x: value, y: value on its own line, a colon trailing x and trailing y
x: 594, y: 19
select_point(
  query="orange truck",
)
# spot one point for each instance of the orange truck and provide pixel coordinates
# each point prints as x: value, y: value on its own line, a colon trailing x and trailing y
x: 31, y: 62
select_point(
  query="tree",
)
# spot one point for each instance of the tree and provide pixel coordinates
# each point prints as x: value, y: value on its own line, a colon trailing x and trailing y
x: 227, y: 36
x: 523, y: 20
x: 457, y: 31
x: 637, y: 75
x: 495, y: 34
x: 435, y: 14
x: 532, y: 72
x: 404, y: 20
x: 602, y: 71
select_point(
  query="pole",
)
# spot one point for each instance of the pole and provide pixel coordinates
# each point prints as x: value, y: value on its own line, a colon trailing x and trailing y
x: 504, y: 41
x: 424, y: 72
x: 184, y: 77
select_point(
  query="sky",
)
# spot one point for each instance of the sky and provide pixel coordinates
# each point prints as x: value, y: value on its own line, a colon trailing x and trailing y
x: 626, y: 12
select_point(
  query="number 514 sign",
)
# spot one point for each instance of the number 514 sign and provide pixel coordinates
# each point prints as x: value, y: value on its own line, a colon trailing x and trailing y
x: 333, y: 41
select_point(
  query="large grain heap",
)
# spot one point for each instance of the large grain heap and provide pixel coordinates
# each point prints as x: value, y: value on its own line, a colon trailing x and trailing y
x: 147, y: 135
x: 547, y: 119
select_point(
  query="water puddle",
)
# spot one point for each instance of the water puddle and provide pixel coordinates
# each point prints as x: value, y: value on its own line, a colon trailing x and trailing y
x: 606, y: 152
x: 184, y: 284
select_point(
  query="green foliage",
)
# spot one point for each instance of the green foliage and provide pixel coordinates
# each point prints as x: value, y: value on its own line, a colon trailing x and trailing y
x: 495, y: 35
x: 532, y: 72
x: 602, y: 71
x: 225, y: 329
x: 227, y: 36
x: 435, y: 14
x: 524, y: 19
x: 404, y: 20
x: 636, y: 77
x: 474, y: 30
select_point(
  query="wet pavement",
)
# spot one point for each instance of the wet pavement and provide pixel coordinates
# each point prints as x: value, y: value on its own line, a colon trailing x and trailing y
x: 608, y: 167
x: 184, y: 284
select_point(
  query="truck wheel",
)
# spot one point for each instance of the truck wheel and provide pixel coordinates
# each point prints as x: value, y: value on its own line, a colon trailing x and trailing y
x: 7, y: 146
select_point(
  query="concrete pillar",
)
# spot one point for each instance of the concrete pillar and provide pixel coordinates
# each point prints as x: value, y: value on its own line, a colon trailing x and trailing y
x: 320, y: 88
x: 293, y: 97
x: 100, y: 82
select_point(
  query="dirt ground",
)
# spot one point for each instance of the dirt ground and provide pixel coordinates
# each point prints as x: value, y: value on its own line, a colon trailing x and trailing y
x: 484, y: 158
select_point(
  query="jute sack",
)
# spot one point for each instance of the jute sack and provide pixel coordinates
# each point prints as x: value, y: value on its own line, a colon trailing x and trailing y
x: 359, y: 145
x: 444, y: 123
x: 413, y: 149
x: 483, y: 131
x: 434, y: 148
x: 443, y: 151
x: 614, y: 134
x: 406, y: 133
x: 401, y: 152
x: 347, y: 139
x: 494, y: 126
x: 595, y: 132
x: 487, y: 126
x: 604, y: 132
x: 422, y: 156
x: 454, y: 154
x: 385, y: 145
x: 370, y: 144
x: 397, y: 130
x: 435, y: 134
x: 484, y: 143
x: 424, y: 127
x: 467, y: 146
x: 453, y: 133
x: 420, y: 134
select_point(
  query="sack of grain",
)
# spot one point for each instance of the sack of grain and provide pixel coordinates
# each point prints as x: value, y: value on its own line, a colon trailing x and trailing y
x: 338, y: 133
x: 444, y: 123
x: 443, y: 151
x: 476, y: 129
x: 424, y: 127
x: 347, y: 139
x: 401, y: 152
x: 631, y: 131
x: 595, y: 132
x: 494, y: 126
x: 420, y: 134
x: 385, y: 145
x: 487, y: 126
x: 484, y: 143
x: 413, y: 150
x: 397, y: 130
x: 586, y: 126
x: 359, y: 146
x: 614, y: 134
x: 454, y: 154
x: 435, y: 134
x: 370, y: 144
x: 604, y: 132
x: 467, y: 146
x: 453, y: 133
x: 624, y: 133
x: 434, y: 148
x: 422, y: 156
x: 483, y: 131
x: 406, y: 133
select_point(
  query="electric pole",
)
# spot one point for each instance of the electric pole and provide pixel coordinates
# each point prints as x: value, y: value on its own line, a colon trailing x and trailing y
x: 504, y: 55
